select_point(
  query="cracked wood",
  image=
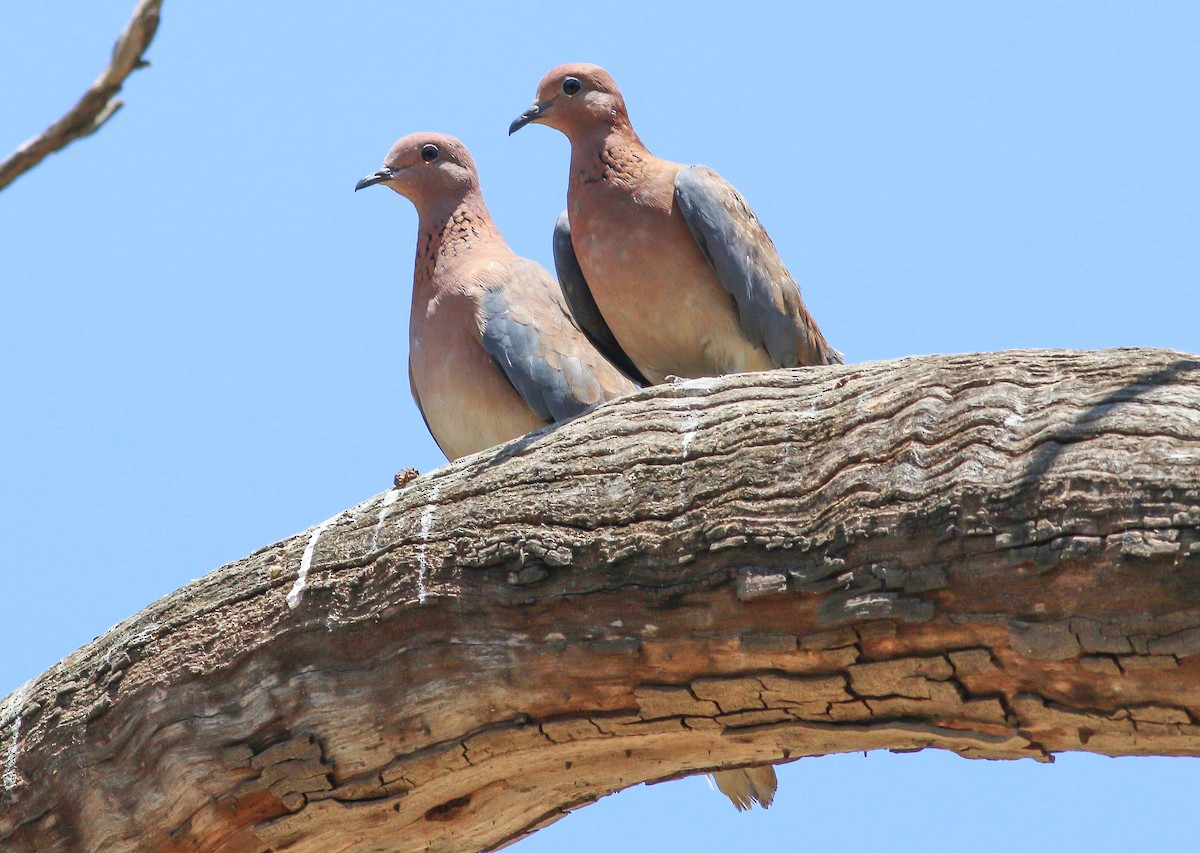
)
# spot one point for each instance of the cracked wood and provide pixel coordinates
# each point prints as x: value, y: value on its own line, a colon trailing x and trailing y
x: 994, y: 554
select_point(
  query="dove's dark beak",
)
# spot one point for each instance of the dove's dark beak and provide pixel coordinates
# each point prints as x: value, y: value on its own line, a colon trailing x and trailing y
x: 532, y: 114
x: 377, y: 178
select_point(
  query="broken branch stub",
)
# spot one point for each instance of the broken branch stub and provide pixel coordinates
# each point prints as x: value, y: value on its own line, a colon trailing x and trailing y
x: 99, y: 103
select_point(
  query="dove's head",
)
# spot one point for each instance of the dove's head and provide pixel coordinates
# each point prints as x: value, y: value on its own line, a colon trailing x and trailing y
x: 426, y: 168
x: 576, y: 99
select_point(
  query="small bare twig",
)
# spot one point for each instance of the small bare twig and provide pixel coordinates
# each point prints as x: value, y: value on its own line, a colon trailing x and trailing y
x: 98, y: 104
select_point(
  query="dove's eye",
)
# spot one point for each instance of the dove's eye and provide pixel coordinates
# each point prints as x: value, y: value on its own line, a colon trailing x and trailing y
x: 429, y: 152
x: 572, y: 86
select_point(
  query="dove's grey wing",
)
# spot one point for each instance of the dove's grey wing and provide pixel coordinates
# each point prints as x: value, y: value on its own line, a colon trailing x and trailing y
x: 530, y: 336
x: 770, y: 309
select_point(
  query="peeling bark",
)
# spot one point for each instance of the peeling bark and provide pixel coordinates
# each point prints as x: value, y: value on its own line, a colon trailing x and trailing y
x: 994, y: 554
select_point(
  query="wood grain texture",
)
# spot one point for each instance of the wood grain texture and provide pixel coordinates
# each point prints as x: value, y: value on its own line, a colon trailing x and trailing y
x: 994, y: 554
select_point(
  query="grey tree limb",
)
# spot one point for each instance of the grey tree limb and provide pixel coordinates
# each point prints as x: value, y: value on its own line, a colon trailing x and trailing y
x: 98, y: 104
x: 994, y: 554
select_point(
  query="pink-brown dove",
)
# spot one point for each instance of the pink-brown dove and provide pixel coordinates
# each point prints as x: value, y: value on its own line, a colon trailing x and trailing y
x: 494, y: 351
x: 684, y: 276
x: 683, y: 273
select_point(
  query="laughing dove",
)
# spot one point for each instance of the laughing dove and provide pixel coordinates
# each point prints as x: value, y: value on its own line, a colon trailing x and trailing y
x: 683, y: 273
x: 494, y: 351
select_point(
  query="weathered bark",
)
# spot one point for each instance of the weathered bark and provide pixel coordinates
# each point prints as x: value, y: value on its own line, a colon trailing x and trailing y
x: 993, y: 554
x: 99, y: 103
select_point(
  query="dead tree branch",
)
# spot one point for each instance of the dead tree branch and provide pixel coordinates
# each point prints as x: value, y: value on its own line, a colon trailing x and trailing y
x: 98, y: 104
x: 993, y: 554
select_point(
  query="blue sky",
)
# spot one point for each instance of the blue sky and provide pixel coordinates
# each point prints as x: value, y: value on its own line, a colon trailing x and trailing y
x: 203, y: 329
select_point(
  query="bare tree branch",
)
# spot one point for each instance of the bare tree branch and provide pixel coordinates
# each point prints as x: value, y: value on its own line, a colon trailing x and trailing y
x: 98, y: 104
x: 997, y: 555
